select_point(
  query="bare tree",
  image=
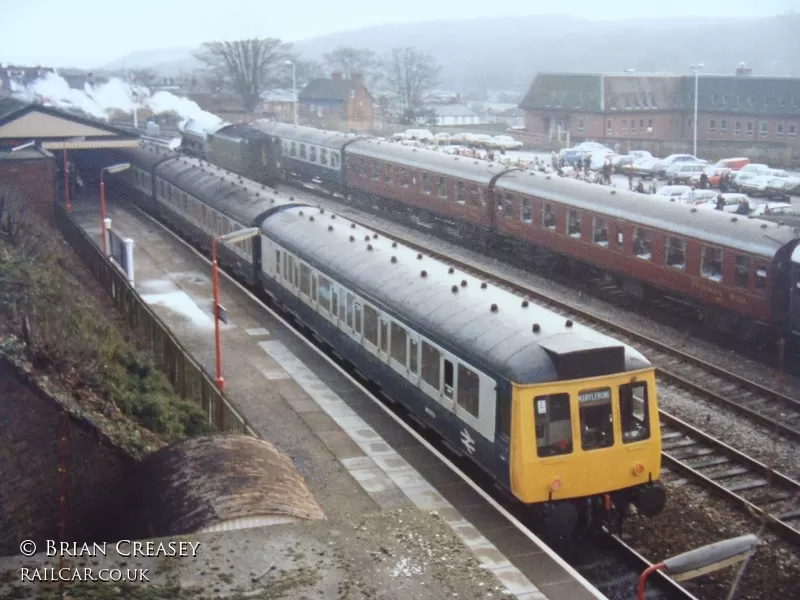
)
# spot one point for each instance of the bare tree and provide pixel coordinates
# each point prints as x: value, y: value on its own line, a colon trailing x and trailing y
x: 250, y: 67
x: 307, y: 70
x: 410, y: 74
x: 351, y: 61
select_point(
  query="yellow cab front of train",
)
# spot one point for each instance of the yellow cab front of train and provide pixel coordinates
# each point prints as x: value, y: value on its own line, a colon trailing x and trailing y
x: 588, y: 448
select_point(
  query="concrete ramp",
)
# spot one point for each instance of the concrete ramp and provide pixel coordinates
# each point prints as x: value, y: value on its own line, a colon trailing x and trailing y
x: 220, y: 483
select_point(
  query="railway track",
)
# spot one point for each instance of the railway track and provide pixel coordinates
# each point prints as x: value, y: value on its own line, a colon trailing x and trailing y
x: 688, y: 452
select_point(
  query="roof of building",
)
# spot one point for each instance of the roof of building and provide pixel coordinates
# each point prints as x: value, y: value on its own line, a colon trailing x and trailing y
x: 332, y: 90
x: 453, y: 110
x: 565, y: 90
x: 200, y: 483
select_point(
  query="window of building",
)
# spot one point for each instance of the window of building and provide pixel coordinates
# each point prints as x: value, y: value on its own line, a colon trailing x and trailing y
x: 741, y: 271
x: 675, y: 254
x: 461, y: 197
x: 650, y: 125
x: 553, y: 425
x: 633, y: 125
x: 312, y: 153
x: 634, y: 411
x: 725, y: 98
x: 794, y: 103
x: 689, y: 122
x: 574, y: 224
x: 642, y: 243
x: 387, y: 173
x: 624, y: 125
x: 764, y: 128
x: 792, y: 129
x: 738, y: 100
x: 399, y: 338
x: 766, y: 102
x: 749, y: 128
x: 600, y: 231
x: 548, y: 216
x: 608, y: 127
x: 596, y: 418
x: 782, y: 101
x: 712, y: 124
x: 371, y: 325
x: 711, y: 263
x: 723, y: 126
x: 641, y: 125
x: 751, y: 100
x: 737, y: 128
x: 713, y: 98
x: 426, y: 184
x: 761, y: 279
x: 526, y: 214
x: 303, y: 151
x: 580, y: 125
x: 430, y: 365
x: 644, y: 99
x: 779, y: 129
x: 469, y: 389
x: 442, y: 188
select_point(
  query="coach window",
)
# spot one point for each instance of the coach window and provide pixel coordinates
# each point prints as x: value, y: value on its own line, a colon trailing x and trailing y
x: 711, y: 263
x: 426, y: 185
x: 294, y: 149
x: 442, y: 188
x: 312, y: 153
x: 600, y: 231
x: 642, y: 243
x: 335, y: 160
x: 634, y: 411
x: 371, y: 325
x: 509, y: 206
x: 741, y: 271
x: 384, y: 336
x: 761, y: 280
x: 350, y: 302
x: 527, y: 211
x: 449, y: 375
x: 334, y: 301
x: 620, y: 236
x: 357, y: 317
x: 403, y: 177
x: 399, y: 343
x: 675, y: 253
x: 574, y: 224
x: 313, y: 287
x: 376, y: 172
x: 430, y: 365
x: 305, y: 279
x: 413, y: 350
x: 324, y: 293
x: 460, y: 198
x: 553, y: 425
x: 469, y: 387
x: 474, y: 195
x: 597, y: 422
x: 387, y: 173
x: 303, y: 151
x: 548, y: 216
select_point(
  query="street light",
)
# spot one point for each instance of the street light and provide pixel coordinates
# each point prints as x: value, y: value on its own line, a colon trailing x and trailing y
x: 23, y: 146
x: 111, y: 169
x: 702, y: 560
x: 294, y: 88
x: 233, y: 237
x: 67, y: 205
x: 696, y: 68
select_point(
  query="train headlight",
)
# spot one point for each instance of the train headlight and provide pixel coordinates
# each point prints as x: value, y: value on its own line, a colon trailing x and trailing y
x: 555, y: 485
x: 638, y: 469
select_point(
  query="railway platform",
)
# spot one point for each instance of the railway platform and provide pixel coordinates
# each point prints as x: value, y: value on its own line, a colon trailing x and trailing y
x: 404, y: 524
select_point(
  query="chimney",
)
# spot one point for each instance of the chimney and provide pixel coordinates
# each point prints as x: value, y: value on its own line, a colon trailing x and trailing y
x: 358, y: 78
x: 336, y: 75
x: 743, y: 71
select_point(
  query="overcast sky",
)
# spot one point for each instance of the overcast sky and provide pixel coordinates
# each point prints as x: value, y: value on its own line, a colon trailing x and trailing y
x: 91, y: 33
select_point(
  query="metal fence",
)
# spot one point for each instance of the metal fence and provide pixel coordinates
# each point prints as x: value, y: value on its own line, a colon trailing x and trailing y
x: 188, y: 378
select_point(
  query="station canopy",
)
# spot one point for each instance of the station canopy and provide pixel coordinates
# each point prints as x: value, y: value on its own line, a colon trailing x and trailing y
x: 56, y: 129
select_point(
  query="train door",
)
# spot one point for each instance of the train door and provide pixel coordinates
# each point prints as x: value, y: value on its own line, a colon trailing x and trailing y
x: 313, y: 297
x: 795, y: 300
x: 383, y: 339
x: 502, y: 439
x: 353, y: 311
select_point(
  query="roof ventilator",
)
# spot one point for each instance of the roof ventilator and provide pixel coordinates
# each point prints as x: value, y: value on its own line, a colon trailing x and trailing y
x: 463, y: 283
x: 694, y: 210
x: 352, y: 225
x: 330, y: 227
x: 568, y: 323
x: 734, y: 219
x: 451, y: 270
x: 310, y: 217
x: 366, y: 238
x: 352, y: 239
x: 423, y: 273
x: 333, y: 216
x: 763, y: 226
x: 374, y: 236
x: 419, y: 256
x: 301, y: 213
x: 536, y: 328
x: 369, y: 246
x: 524, y: 304
x: 483, y: 285
x: 493, y: 308
x: 454, y: 289
x: 394, y: 244
x: 394, y: 259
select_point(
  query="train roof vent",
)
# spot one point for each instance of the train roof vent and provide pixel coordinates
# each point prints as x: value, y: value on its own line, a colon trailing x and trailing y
x: 451, y: 270
x: 536, y: 328
x: 463, y: 283
x: 734, y: 219
x: 575, y: 357
x: 613, y: 192
x: 763, y: 226
x: 548, y: 177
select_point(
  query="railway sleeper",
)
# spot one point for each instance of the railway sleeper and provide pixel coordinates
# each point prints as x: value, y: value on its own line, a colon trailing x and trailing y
x: 736, y: 471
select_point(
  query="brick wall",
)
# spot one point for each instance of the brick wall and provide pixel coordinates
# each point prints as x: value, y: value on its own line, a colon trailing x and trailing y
x: 35, y: 178
x: 97, y: 473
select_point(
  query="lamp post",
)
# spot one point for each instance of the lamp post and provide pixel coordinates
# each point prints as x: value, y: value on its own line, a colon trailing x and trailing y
x: 233, y: 237
x: 67, y: 205
x: 696, y: 68
x: 111, y: 169
x: 702, y: 560
x: 294, y: 88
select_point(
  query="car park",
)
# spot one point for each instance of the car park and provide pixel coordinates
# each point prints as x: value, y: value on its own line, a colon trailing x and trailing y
x: 713, y: 173
x: 732, y: 202
x: 763, y: 185
x: 681, y: 172
x: 506, y: 142
x: 773, y: 208
x: 622, y: 162
x: 441, y: 138
x: 734, y: 164
x: 645, y: 167
x: 699, y: 196
x: 749, y: 172
x: 673, y: 191
x: 664, y: 163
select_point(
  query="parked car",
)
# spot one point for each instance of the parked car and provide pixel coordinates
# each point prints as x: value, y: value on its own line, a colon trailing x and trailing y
x: 748, y: 172
x: 732, y: 202
x: 762, y: 184
x: 664, y: 163
x: 713, y: 173
x: 621, y: 162
x: 681, y: 172
x: 645, y: 167
x: 734, y: 164
x: 699, y: 196
x: 506, y: 142
x: 773, y: 208
x: 792, y: 186
x: 593, y: 146
x: 673, y: 191
x: 782, y: 187
x: 572, y: 155
x: 442, y: 139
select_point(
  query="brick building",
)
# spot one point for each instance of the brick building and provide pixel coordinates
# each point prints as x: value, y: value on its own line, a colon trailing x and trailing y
x: 738, y: 114
x: 336, y: 103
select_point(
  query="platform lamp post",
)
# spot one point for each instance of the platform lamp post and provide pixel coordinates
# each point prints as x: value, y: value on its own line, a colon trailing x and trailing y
x: 294, y: 88
x: 702, y: 560
x: 219, y: 311
x: 696, y: 68
x: 67, y: 205
x: 111, y: 169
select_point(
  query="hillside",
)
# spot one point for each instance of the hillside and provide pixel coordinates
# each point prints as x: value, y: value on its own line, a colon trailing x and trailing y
x: 506, y: 52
